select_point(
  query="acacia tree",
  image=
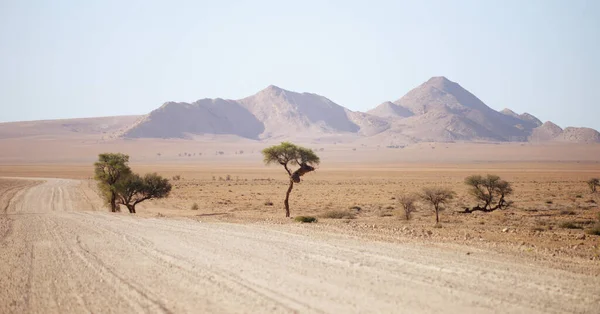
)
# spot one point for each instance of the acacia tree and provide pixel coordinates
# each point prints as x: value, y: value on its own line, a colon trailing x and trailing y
x: 408, y: 204
x: 288, y: 154
x: 593, y: 183
x: 490, y: 191
x: 437, y: 197
x: 109, y: 169
x: 134, y: 189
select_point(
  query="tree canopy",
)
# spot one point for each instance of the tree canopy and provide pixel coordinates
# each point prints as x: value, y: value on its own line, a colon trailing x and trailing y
x: 287, y: 154
x: 119, y: 185
x: 108, y: 170
x: 490, y: 191
x: 134, y: 189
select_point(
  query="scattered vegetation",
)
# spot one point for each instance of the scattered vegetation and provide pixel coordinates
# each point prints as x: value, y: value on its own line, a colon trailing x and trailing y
x: 176, y: 178
x: 286, y: 154
x: 305, y: 219
x: 490, y: 191
x: 408, y: 204
x: 338, y: 214
x: 593, y: 184
x: 567, y: 212
x: 595, y: 229
x: 437, y: 197
x: 356, y: 208
x: 570, y: 225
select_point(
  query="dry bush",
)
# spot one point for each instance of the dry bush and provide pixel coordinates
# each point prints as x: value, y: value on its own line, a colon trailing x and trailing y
x: 305, y: 219
x: 569, y: 225
x: 593, y: 183
x: 489, y: 191
x: 437, y: 197
x: 338, y: 214
x: 594, y: 230
x: 195, y: 206
x: 408, y: 203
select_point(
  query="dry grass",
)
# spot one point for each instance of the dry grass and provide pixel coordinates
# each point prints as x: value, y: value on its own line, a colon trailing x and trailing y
x: 369, y: 194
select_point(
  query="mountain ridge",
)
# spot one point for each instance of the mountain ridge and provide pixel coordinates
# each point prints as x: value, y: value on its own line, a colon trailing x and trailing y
x: 438, y: 110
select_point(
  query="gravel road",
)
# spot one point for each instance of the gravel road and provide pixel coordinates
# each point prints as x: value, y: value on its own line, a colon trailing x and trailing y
x: 57, y: 258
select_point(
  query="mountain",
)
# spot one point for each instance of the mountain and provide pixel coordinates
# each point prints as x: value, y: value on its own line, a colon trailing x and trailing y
x: 438, y: 110
x: 442, y: 110
x: 205, y: 116
x: 389, y: 109
x: 271, y: 113
x: 546, y: 132
x: 285, y: 113
x: 579, y: 135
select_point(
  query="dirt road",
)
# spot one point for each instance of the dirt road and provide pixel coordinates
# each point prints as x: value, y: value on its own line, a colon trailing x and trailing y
x: 57, y: 258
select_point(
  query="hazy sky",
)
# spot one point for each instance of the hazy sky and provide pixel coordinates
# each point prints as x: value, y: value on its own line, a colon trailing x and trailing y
x: 63, y: 59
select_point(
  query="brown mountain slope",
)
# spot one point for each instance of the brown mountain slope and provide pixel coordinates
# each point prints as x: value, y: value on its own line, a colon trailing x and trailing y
x: 579, y: 135
x: 546, y: 132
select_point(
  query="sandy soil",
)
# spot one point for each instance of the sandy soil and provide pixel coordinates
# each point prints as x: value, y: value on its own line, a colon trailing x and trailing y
x: 60, y: 255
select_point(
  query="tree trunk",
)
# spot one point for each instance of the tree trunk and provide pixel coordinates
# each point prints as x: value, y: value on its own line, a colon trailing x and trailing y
x: 437, y: 215
x: 113, y: 202
x: 131, y: 208
x: 287, y: 198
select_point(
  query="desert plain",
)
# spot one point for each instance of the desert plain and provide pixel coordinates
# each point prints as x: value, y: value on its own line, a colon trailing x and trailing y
x: 221, y: 243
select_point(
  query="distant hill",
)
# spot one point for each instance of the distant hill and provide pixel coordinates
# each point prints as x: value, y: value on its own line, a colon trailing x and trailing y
x: 438, y: 110
x: 107, y: 126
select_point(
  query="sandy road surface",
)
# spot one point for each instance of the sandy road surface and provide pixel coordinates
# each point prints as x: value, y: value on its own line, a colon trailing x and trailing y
x: 55, y: 258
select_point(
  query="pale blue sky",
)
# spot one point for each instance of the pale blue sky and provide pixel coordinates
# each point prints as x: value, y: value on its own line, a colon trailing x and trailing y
x: 63, y: 59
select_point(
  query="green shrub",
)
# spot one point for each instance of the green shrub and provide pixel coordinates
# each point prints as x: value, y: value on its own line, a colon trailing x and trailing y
x: 338, y: 214
x: 305, y: 219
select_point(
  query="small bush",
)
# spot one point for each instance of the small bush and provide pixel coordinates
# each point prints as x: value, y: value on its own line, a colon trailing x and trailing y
x: 195, y: 206
x: 356, y: 208
x: 540, y: 229
x: 567, y: 212
x: 569, y: 225
x: 338, y: 214
x: 176, y: 178
x: 268, y: 203
x: 549, y: 202
x: 578, y: 196
x: 305, y: 219
x: 594, y: 230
